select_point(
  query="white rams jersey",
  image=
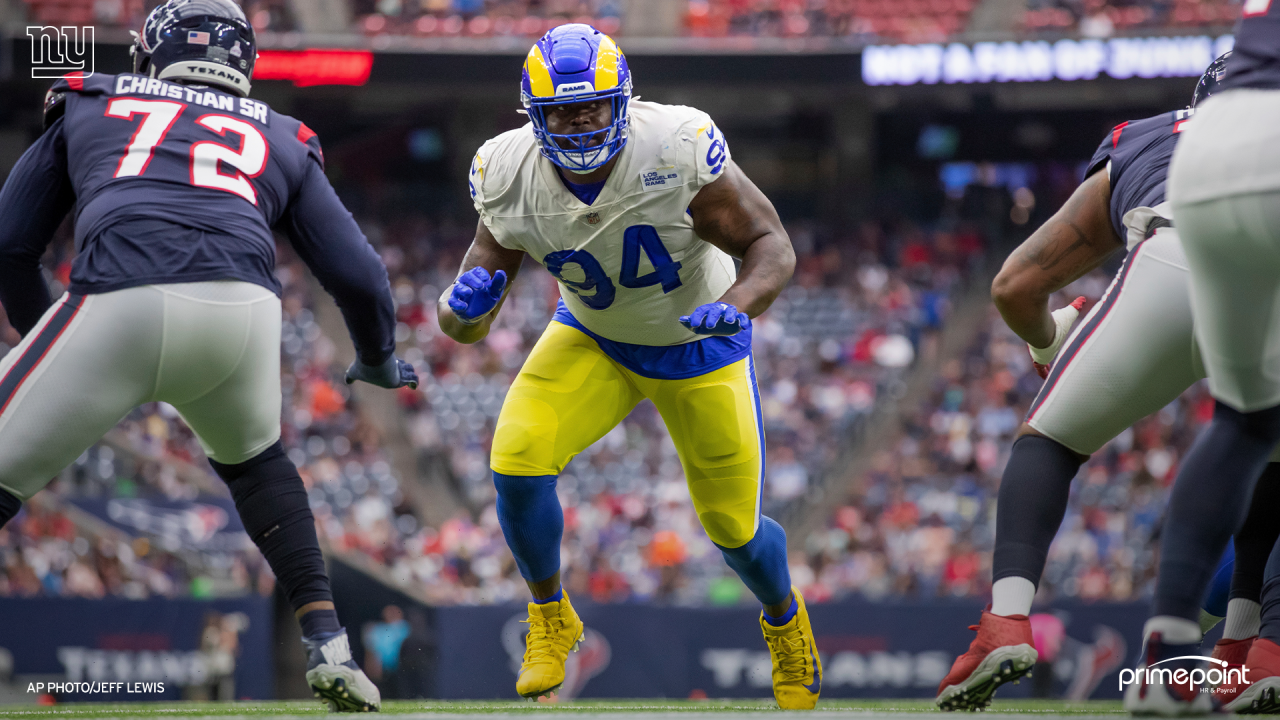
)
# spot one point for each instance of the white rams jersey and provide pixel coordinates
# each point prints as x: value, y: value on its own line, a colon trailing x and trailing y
x: 629, y: 264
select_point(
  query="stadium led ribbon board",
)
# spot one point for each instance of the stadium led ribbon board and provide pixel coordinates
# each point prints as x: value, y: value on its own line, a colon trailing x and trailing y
x: 1038, y: 60
x: 307, y: 68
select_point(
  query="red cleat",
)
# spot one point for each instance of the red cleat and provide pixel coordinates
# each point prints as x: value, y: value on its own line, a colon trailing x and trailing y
x: 1256, y: 689
x: 1003, y: 652
x: 1233, y: 653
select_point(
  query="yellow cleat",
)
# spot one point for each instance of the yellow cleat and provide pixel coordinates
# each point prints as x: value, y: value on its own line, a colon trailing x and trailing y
x: 554, y: 630
x: 797, y: 669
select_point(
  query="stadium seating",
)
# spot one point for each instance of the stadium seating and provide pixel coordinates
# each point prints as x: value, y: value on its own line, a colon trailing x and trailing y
x: 475, y: 18
x: 264, y: 14
x: 913, y: 21
x: 53, y: 548
x: 1101, y: 18
x: 858, y: 313
x: 822, y: 357
x: 921, y: 522
x: 921, y: 20
x: 824, y: 354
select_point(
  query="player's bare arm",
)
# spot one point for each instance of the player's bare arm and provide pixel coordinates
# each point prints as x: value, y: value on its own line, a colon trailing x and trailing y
x: 1071, y: 243
x: 485, y: 252
x: 732, y: 214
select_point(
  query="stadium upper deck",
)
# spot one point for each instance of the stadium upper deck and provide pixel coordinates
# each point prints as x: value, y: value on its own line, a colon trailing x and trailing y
x: 852, y: 22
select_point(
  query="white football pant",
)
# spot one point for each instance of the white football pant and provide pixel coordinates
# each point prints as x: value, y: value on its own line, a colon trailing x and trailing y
x: 1224, y: 187
x: 1133, y: 353
x: 210, y: 349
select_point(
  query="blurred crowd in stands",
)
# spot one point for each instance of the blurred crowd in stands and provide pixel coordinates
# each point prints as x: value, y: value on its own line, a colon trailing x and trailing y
x: 129, y: 14
x: 1102, y: 18
x: 824, y: 354
x: 859, y: 20
x: 864, y: 308
x: 481, y: 18
x: 916, y: 21
x: 921, y: 522
x: 868, y: 303
x: 43, y: 552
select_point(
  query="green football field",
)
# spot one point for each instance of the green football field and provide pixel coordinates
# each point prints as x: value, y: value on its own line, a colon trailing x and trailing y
x: 618, y: 709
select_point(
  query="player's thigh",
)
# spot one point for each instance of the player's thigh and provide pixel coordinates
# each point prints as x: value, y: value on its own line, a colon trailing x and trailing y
x: 1233, y: 250
x: 88, y: 362
x: 567, y: 396
x: 1133, y: 354
x: 714, y: 421
x: 221, y: 366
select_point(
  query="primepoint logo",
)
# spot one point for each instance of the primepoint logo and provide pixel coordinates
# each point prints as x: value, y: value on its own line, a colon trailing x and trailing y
x: 1219, y: 674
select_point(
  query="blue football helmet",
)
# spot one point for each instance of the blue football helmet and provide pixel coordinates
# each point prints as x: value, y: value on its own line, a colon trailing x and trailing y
x: 1208, y: 84
x: 571, y: 64
x: 205, y: 41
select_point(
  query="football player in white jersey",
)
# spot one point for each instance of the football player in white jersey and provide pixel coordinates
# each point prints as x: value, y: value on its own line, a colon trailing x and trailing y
x: 639, y: 211
x: 1224, y: 191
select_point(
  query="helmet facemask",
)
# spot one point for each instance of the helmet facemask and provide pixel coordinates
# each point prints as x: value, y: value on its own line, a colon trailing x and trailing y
x: 585, y: 151
x: 1208, y: 84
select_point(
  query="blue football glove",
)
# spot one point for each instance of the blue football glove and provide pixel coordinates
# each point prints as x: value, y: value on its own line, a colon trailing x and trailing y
x: 393, y: 373
x: 474, y: 294
x: 716, y: 318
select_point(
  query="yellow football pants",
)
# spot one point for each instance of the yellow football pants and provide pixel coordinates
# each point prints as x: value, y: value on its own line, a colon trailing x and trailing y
x: 569, y: 394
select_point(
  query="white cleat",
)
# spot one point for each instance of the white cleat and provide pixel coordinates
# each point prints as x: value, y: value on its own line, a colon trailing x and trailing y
x: 345, y: 689
x: 335, y: 678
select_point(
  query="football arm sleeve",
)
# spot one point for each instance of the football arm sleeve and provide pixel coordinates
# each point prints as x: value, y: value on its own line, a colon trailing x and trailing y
x: 33, y: 202
x: 328, y: 240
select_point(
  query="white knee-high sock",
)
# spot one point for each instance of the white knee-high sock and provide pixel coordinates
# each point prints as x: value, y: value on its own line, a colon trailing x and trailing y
x: 1244, y: 619
x: 1012, y: 596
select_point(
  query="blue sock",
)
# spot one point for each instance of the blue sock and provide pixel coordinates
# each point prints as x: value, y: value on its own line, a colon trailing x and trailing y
x: 1215, y: 601
x: 554, y: 598
x: 1208, y: 504
x: 319, y: 623
x: 532, y: 522
x: 1271, y: 598
x: 786, y: 616
x: 762, y: 563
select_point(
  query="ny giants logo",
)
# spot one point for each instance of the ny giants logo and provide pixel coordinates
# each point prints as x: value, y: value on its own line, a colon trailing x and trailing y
x: 1219, y: 674
x: 58, y: 51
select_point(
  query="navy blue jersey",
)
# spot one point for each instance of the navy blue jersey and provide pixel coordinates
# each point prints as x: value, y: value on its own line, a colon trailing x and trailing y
x: 172, y: 183
x: 1255, y: 59
x: 1139, y: 152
